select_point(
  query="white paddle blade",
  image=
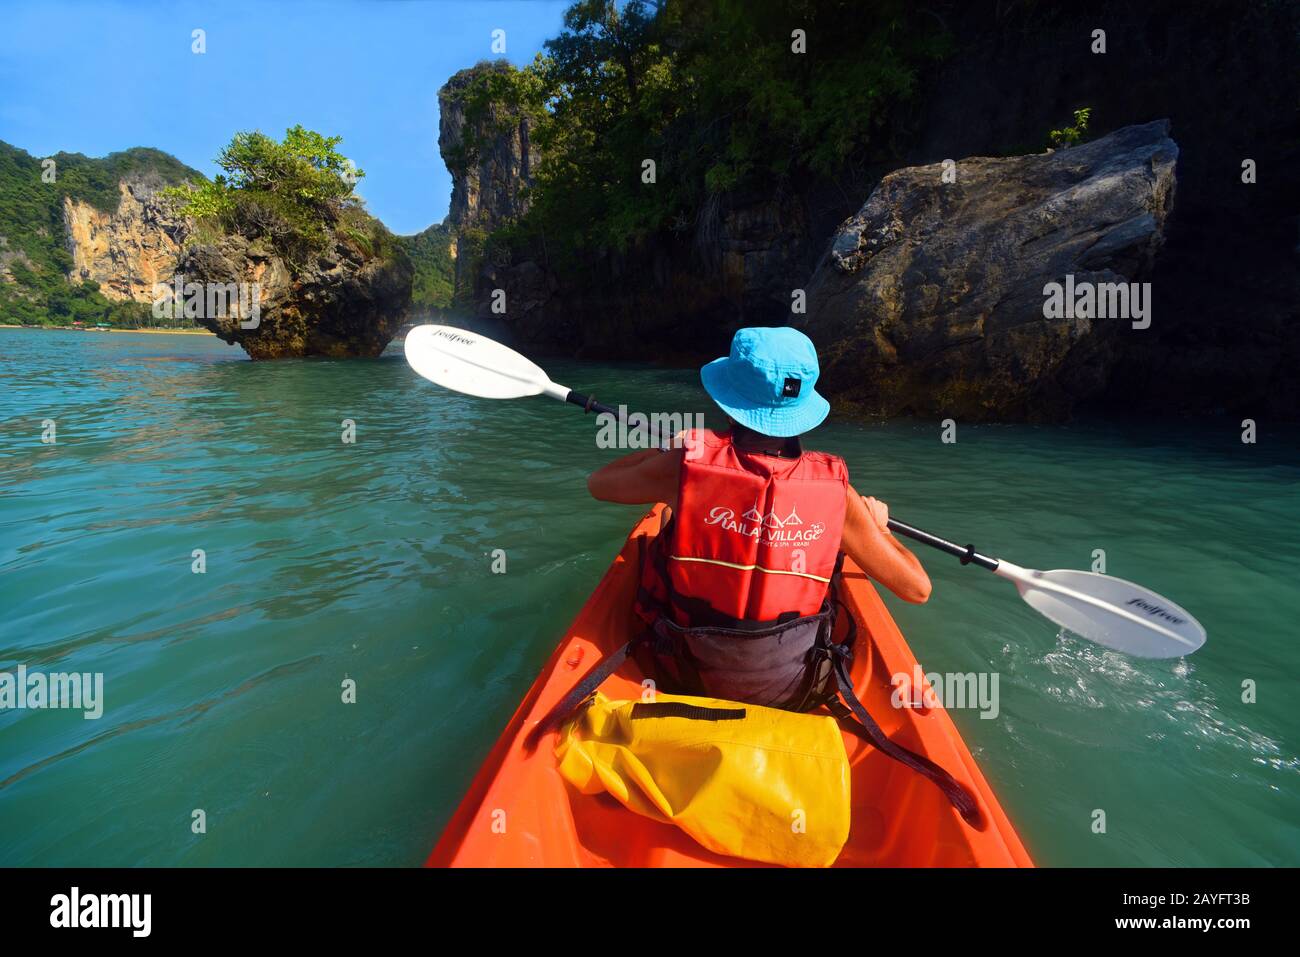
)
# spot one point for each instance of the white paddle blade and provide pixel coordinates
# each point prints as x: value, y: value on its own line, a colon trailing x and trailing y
x: 1109, y: 611
x: 466, y: 362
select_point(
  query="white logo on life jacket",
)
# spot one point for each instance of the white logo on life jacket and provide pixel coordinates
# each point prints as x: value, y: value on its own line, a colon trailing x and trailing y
x: 769, y: 528
x: 770, y: 520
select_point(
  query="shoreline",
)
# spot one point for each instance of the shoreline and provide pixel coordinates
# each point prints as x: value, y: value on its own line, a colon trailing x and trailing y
x: 151, y: 332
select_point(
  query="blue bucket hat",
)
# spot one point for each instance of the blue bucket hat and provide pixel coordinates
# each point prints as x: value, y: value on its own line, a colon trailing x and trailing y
x: 766, y: 383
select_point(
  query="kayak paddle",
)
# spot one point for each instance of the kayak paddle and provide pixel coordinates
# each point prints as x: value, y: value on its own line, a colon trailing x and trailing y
x: 476, y: 365
x: 1109, y: 611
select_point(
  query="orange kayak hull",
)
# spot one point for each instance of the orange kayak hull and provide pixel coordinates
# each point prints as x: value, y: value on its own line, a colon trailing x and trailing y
x: 519, y: 812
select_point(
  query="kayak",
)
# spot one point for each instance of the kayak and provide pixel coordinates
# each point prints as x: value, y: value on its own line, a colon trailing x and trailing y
x: 519, y: 811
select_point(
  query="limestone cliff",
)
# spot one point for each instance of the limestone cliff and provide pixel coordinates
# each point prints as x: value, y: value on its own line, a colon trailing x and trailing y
x: 665, y: 298
x: 932, y: 299
x: 489, y: 153
x: 129, y: 250
x: 84, y: 239
x: 488, y: 148
x: 349, y: 300
x: 1226, y: 334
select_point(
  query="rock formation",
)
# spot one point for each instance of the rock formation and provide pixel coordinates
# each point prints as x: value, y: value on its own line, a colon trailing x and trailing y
x: 931, y: 299
x: 11, y: 257
x: 348, y: 301
x: 491, y: 159
x: 122, y: 232
x: 129, y: 250
x: 1226, y: 331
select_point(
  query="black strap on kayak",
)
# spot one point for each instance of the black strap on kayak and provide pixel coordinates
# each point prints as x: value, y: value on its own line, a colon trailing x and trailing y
x: 866, y: 727
x: 680, y: 709
x: 585, y: 688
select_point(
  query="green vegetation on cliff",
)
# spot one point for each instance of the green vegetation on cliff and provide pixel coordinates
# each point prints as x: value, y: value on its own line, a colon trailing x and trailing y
x: 297, y: 194
x: 493, y: 95
x: 1071, y: 135
x: 430, y: 255
x: 722, y: 96
x: 34, y: 258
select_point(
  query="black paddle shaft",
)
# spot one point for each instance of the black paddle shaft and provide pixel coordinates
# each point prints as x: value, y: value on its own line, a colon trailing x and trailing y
x: 589, y: 403
x: 966, y: 553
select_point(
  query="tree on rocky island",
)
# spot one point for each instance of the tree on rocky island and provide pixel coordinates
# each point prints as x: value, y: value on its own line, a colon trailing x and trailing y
x: 282, y: 220
x: 291, y: 192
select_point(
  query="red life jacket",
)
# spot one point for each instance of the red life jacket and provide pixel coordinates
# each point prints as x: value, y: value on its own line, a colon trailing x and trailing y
x: 755, y: 537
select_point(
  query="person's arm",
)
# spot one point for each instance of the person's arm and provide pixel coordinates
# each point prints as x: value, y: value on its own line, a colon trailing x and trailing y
x: 638, y: 478
x: 868, y: 541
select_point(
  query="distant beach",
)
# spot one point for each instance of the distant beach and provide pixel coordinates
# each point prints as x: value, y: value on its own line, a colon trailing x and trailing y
x: 152, y: 332
x: 167, y: 332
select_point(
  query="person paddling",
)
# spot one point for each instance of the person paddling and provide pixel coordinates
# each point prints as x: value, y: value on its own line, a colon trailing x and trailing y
x: 739, y: 593
x: 762, y: 519
x: 738, y: 596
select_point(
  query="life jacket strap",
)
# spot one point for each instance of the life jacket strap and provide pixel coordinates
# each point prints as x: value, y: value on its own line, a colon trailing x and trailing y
x: 857, y: 719
x: 584, y: 689
x: 865, y: 727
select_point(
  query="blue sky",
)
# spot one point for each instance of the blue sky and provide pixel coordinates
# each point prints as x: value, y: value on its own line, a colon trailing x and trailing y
x: 97, y: 77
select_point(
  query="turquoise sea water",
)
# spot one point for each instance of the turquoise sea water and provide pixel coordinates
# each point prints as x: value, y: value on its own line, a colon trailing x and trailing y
x: 372, y: 561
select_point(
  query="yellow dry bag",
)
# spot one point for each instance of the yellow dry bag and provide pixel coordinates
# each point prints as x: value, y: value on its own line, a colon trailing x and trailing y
x: 750, y: 782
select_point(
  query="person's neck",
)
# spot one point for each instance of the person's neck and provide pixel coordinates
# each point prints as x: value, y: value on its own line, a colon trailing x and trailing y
x: 790, y: 448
